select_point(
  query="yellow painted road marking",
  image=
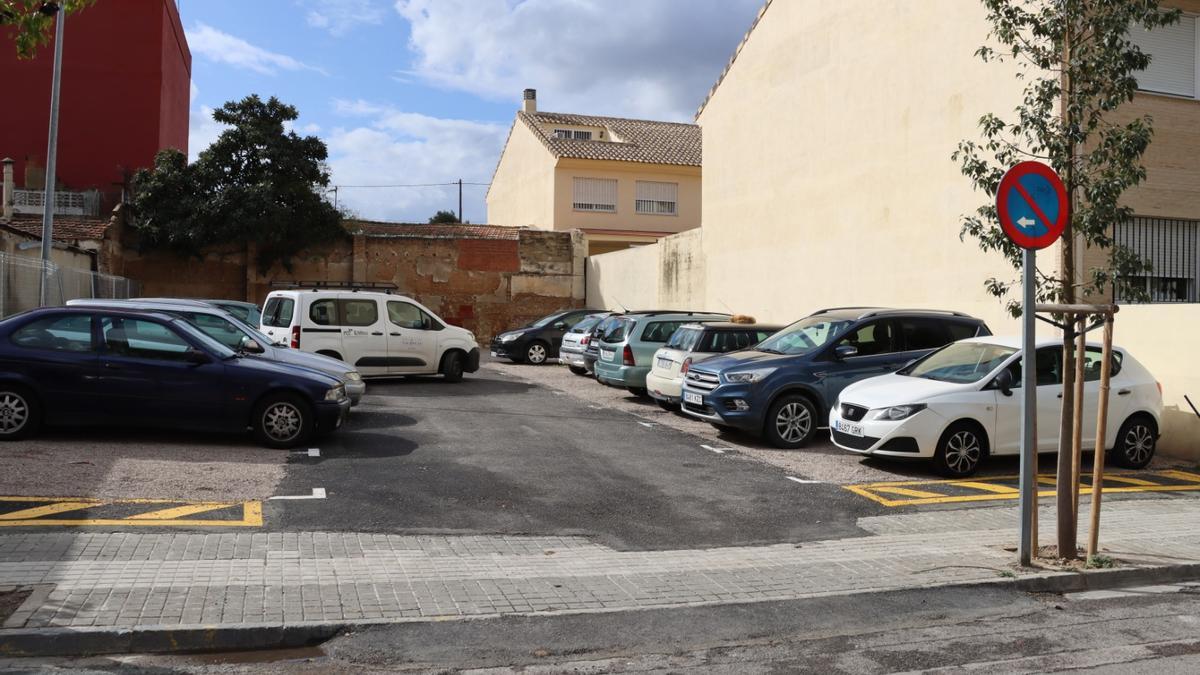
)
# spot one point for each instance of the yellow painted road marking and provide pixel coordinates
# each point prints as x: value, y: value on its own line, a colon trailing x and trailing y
x: 993, y: 489
x: 986, y: 487
x: 1181, y: 475
x: 1127, y: 480
x: 48, y: 510
x: 172, y: 512
x: 909, y: 492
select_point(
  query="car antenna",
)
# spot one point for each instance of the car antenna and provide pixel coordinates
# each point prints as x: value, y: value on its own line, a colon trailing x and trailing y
x: 623, y: 308
x: 725, y: 305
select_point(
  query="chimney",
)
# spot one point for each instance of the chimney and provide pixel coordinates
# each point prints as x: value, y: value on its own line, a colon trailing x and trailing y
x: 530, y: 103
x: 9, y: 188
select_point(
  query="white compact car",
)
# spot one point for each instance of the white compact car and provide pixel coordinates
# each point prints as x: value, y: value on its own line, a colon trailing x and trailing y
x: 378, y: 333
x: 962, y: 403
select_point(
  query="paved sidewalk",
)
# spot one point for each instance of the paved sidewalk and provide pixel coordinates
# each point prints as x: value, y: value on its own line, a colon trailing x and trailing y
x: 179, y: 580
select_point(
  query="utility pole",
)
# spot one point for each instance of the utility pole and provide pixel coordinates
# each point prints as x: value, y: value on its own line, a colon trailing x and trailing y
x: 51, y: 154
x: 460, y: 200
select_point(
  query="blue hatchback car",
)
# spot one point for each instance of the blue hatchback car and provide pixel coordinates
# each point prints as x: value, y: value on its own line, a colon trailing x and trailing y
x: 783, y: 387
x: 83, y: 366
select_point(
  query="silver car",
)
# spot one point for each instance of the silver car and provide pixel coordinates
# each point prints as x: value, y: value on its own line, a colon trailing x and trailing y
x: 233, y: 333
x: 574, y: 343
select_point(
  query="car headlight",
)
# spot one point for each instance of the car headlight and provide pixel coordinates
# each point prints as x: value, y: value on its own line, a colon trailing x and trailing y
x: 749, y: 376
x: 897, y: 412
x: 353, y: 376
x: 509, y: 337
x: 336, y: 394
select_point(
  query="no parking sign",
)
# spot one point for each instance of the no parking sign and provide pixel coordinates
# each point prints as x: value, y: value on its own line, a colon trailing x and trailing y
x: 1032, y: 204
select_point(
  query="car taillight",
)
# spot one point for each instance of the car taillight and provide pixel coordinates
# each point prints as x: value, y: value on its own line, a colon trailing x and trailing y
x: 687, y: 365
x: 295, y: 337
x: 627, y: 356
x: 1159, y: 388
x: 585, y: 341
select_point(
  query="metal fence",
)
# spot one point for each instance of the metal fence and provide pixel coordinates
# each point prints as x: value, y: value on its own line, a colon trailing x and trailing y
x: 20, y: 284
x: 1173, y: 248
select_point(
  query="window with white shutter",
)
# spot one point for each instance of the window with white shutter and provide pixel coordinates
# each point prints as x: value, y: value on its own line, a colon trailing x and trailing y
x: 595, y: 194
x: 657, y: 198
x: 1173, y: 57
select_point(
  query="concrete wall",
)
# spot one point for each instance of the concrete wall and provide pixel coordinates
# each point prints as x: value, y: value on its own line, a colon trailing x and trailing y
x: 682, y: 278
x: 1163, y: 338
x: 485, y: 285
x: 624, y: 279
x: 522, y: 190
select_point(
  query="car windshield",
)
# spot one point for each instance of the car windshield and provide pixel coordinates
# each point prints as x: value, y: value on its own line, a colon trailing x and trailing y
x: 961, y: 362
x: 685, y: 339
x: 615, y: 331
x: 199, y: 336
x: 805, y: 335
x: 586, y: 325
x: 546, y: 320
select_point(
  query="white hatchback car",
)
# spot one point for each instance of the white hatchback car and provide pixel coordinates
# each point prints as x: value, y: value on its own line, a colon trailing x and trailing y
x: 958, y: 405
x: 377, y: 333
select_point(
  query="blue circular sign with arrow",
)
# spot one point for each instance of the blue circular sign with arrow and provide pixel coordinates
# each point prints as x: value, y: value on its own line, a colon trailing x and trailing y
x: 1032, y: 205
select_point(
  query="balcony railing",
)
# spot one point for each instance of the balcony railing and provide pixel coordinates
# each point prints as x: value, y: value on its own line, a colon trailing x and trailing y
x: 65, y: 203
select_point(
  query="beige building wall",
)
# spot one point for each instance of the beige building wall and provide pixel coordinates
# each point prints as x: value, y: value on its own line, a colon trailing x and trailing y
x: 682, y: 276
x: 522, y: 190
x: 626, y: 218
x: 619, y: 279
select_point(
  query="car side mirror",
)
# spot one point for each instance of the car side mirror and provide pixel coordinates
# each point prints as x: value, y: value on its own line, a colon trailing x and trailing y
x: 844, y: 352
x: 560, y: 325
x: 1004, y: 382
x: 196, y: 357
x: 251, y: 346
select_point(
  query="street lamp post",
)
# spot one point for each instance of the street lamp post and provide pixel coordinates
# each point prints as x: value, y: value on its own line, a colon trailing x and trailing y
x: 51, y: 154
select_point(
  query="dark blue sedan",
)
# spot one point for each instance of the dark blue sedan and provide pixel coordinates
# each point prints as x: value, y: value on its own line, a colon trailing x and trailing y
x: 83, y: 366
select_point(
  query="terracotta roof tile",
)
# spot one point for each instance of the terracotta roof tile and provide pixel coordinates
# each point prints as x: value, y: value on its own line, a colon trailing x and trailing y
x: 431, y: 231
x: 645, y: 141
x: 66, y: 228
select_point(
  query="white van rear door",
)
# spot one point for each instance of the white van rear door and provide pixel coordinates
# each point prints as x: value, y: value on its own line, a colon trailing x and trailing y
x: 276, y: 322
x: 364, y: 333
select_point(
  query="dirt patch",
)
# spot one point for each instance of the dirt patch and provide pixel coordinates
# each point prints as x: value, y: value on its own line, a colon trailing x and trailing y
x: 11, y: 600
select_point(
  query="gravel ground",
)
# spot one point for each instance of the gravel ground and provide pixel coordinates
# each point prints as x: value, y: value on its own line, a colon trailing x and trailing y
x: 112, y: 463
x: 821, y: 460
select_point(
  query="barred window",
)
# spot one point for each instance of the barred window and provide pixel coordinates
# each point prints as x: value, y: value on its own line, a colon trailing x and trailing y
x: 657, y: 198
x: 1172, y: 247
x: 595, y: 194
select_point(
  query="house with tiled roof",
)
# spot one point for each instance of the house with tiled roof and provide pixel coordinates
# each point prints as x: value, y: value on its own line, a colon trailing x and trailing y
x: 623, y: 182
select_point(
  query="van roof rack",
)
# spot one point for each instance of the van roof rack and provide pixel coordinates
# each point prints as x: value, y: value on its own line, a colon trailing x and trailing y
x: 944, y: 312
x: 385, y: 286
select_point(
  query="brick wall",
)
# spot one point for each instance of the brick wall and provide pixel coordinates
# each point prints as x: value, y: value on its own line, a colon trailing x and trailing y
x: 486, y: 279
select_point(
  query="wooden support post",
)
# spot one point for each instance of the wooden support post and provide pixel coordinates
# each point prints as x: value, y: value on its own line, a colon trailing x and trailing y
x: 1077, y: 438
x: 1101, y: 426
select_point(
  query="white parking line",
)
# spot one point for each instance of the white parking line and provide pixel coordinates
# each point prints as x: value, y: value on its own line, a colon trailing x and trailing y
x: 317, y: 493
x: 719, y: 451
x: 311, y: 452
x: 648, y: 425
x: 803, y: 481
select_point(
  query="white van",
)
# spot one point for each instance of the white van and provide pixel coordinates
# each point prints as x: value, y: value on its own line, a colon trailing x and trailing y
x: 378, y: 333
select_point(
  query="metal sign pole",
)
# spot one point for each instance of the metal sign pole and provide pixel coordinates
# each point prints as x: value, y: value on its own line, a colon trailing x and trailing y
x: 51, y: 155
x: 1026, y: 546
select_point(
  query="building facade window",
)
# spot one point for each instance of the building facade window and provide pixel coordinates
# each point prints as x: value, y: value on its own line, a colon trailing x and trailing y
x: 1172, y: 247
x: 660, y: 199
x: 575, y: 134
x: 595, y: 194
x: 1173, y: 51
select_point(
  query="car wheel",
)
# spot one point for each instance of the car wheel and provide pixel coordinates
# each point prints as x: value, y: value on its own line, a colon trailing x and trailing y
x: 960, y: 451
x: 578, y: 370
x: 20, y: 415
x: 791, y: 422
x: 640, y: 392
x: 665, y: 405
x: 283, y: 421
x: 1136, y: 442
x: 537, y: 353
x: 452, y: 367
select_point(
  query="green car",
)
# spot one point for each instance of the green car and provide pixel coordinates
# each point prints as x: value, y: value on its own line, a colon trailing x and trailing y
x: 628, y: 344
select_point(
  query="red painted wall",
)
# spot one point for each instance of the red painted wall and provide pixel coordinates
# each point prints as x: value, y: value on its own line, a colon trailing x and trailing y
x: 125, y: 95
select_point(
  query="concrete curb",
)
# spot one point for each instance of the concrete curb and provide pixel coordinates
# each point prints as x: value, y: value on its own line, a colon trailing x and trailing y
x: 44, y: 642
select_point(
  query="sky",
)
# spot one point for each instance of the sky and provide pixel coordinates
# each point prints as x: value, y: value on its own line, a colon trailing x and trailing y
x: 419, y: 92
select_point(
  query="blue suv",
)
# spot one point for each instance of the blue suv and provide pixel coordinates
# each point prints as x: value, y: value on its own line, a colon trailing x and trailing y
x: 783, y: 387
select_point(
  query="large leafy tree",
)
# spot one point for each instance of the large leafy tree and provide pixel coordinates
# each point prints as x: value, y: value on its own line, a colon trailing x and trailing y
x: 259, y: 182
x: 443, y: 217
x: 1079, y: 66
x: 31, y: 22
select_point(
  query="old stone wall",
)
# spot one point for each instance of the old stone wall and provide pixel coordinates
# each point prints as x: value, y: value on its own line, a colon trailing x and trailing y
x: 485, y: 279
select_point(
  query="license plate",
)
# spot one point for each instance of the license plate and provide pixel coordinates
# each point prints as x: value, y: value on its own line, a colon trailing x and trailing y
x: 665, y: 363
x: 694, y: 398
x: 849, y: 429
x: 607, y: 354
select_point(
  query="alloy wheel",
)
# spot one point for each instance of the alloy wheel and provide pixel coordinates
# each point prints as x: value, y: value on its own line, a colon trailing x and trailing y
x: 794, y: 422
x: 1139, y: 444
x: 14, y: 413
x: 282, y: 421
x: 963, y: 451
x: 537, y: 354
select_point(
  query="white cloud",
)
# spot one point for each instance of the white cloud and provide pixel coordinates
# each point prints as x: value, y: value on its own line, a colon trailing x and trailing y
x: 395, y: 147
x: 221, y: 47
x: 651, y: 58
x: 202, y: 130
x: 339, y: 17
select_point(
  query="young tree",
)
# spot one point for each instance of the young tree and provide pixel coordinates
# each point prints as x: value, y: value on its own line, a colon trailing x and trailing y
x: 1079, y: 66
x: 259, y: 182
x: 443, y: 217
x: 31, y: 22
